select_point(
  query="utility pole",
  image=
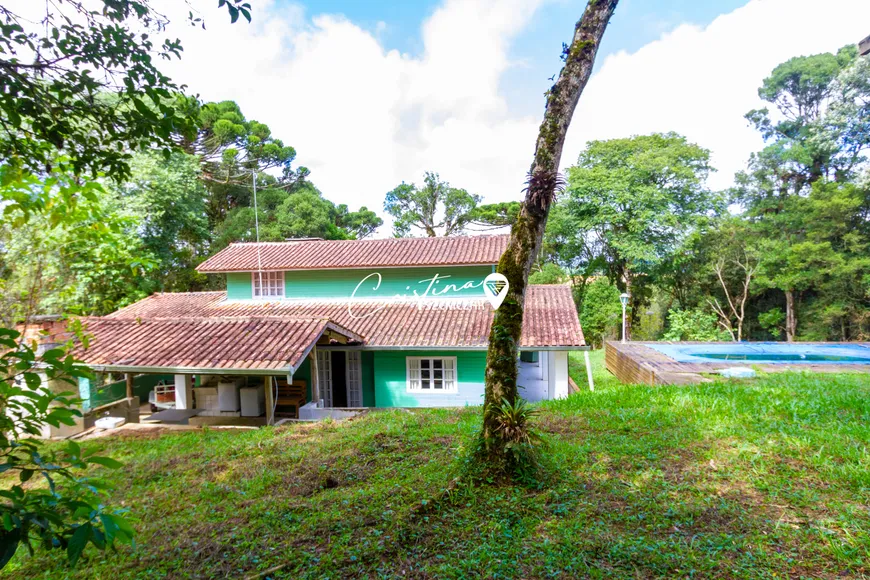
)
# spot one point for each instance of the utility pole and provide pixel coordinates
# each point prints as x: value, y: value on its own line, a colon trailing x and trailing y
x: 864, y: 47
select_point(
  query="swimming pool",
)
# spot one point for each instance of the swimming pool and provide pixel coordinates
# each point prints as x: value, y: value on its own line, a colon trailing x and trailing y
x: 766, y: 353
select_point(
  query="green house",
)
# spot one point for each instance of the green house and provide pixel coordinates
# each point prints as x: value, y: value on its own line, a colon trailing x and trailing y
x: 354, y: 323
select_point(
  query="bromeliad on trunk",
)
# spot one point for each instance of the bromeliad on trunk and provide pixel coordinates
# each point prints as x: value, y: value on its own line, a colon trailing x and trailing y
x: 543, y: 182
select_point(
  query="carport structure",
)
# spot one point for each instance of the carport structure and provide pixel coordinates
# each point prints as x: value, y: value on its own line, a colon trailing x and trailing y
x: 264, y: 346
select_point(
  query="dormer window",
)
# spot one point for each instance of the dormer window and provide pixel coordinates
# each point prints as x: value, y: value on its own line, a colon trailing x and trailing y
x: 268, y: 284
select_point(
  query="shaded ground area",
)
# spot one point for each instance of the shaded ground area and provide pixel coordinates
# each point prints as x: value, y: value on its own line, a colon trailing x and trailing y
x: 760, y: 479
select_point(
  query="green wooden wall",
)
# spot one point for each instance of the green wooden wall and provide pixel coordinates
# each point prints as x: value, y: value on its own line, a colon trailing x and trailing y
x: 303, y: 373
x: 390, y: 380
x: 239, y: 286
x: 456, y: 281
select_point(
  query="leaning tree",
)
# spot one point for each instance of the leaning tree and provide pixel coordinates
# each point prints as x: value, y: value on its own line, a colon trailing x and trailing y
x: 528, y: 229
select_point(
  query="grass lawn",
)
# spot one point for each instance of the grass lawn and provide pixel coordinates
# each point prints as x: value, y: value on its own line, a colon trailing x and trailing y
x: 761, y: 479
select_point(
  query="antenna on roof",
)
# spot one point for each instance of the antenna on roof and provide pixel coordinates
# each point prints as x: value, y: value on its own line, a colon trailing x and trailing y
x: 257, y: 231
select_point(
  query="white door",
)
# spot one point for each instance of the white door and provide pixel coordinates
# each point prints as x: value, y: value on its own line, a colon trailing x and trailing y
x: 354, y: 379
x: 324, y: 376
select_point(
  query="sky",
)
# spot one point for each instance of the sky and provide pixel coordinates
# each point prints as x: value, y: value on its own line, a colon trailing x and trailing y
x: 371, y: 94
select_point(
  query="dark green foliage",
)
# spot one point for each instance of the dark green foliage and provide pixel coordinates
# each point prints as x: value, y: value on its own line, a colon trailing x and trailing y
x: 50, y: 503
x: 495, y: 215
x: 300, y: 212
x: 230, y: 148
x: 600, y: 312
x: 65, y: 247
x: 83, y: 83
x: 168, y: 199
x: 638, y: 197
x: 697, y: 324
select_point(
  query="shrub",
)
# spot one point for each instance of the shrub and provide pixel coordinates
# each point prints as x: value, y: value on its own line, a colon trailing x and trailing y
x: 772, y: 321
x: 695, y: 324
x: 66, y: 512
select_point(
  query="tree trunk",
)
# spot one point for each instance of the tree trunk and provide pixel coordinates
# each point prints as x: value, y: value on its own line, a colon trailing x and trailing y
x: 528, y: 229
x: 790, y: 318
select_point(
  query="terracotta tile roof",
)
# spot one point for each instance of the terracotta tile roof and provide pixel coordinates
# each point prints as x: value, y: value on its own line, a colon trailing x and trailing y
x: 323, y: 254
x: 550, y: 321
x: 262, y: 343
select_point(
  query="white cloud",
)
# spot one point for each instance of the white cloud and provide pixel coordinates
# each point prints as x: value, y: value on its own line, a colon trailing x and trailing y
x: 363, y: 118
x: 701, y: 81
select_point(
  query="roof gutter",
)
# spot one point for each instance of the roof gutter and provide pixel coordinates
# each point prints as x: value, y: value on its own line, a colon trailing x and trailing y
x: 289, y: 370
x: 189, y: 370
x: 461, y: 348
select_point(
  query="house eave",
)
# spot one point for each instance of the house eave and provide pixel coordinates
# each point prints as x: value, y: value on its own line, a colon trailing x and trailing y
x: 374, y: 267
x: 458, y: 348
x: 103, y: 368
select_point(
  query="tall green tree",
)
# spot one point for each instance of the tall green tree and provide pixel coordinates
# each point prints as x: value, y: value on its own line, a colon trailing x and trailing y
x: 73, y: 252
x: 816, y: 136
x: 301, y: 212
x: 815, y: 250
x: 638, y: 197
x: 436, y: 208
x: 231, y: 148
x: 167, y: 198
x: 811, y: 133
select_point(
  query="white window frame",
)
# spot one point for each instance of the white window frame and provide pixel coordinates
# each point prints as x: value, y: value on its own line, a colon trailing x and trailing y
x: 416, y: 383
x: 271, y: 278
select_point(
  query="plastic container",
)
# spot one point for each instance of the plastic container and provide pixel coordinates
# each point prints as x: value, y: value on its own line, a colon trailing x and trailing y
x: 253, y: 401
x: 228, y: 397
x: 109, y: 422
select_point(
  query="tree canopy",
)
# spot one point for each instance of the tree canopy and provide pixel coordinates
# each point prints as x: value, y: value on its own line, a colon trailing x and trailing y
x: 789, y: 260
x: 633, y: 200
x: 84, y: 83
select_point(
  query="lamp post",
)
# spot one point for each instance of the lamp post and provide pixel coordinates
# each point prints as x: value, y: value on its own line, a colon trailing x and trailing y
x: 624, y: 299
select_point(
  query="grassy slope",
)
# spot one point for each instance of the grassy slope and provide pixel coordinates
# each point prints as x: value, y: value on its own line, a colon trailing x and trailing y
x: 739, y: 480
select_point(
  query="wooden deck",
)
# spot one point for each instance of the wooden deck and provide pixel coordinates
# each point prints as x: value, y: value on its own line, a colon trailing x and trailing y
x: 634, y: 363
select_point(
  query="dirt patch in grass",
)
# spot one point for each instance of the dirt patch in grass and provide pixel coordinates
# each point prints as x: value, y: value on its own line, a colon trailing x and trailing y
x: 562, y: 425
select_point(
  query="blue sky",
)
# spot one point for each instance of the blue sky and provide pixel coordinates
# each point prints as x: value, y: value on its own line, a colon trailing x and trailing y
x: 375, y: 93
x: 536, y: 49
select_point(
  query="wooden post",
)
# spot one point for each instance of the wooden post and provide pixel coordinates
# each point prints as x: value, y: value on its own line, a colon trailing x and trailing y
x: 270, y: 400
x: 129, y: 377
x: 315, y: 380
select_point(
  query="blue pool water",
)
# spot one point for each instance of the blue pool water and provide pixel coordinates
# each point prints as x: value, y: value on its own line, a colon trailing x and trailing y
x: 766, y: 352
